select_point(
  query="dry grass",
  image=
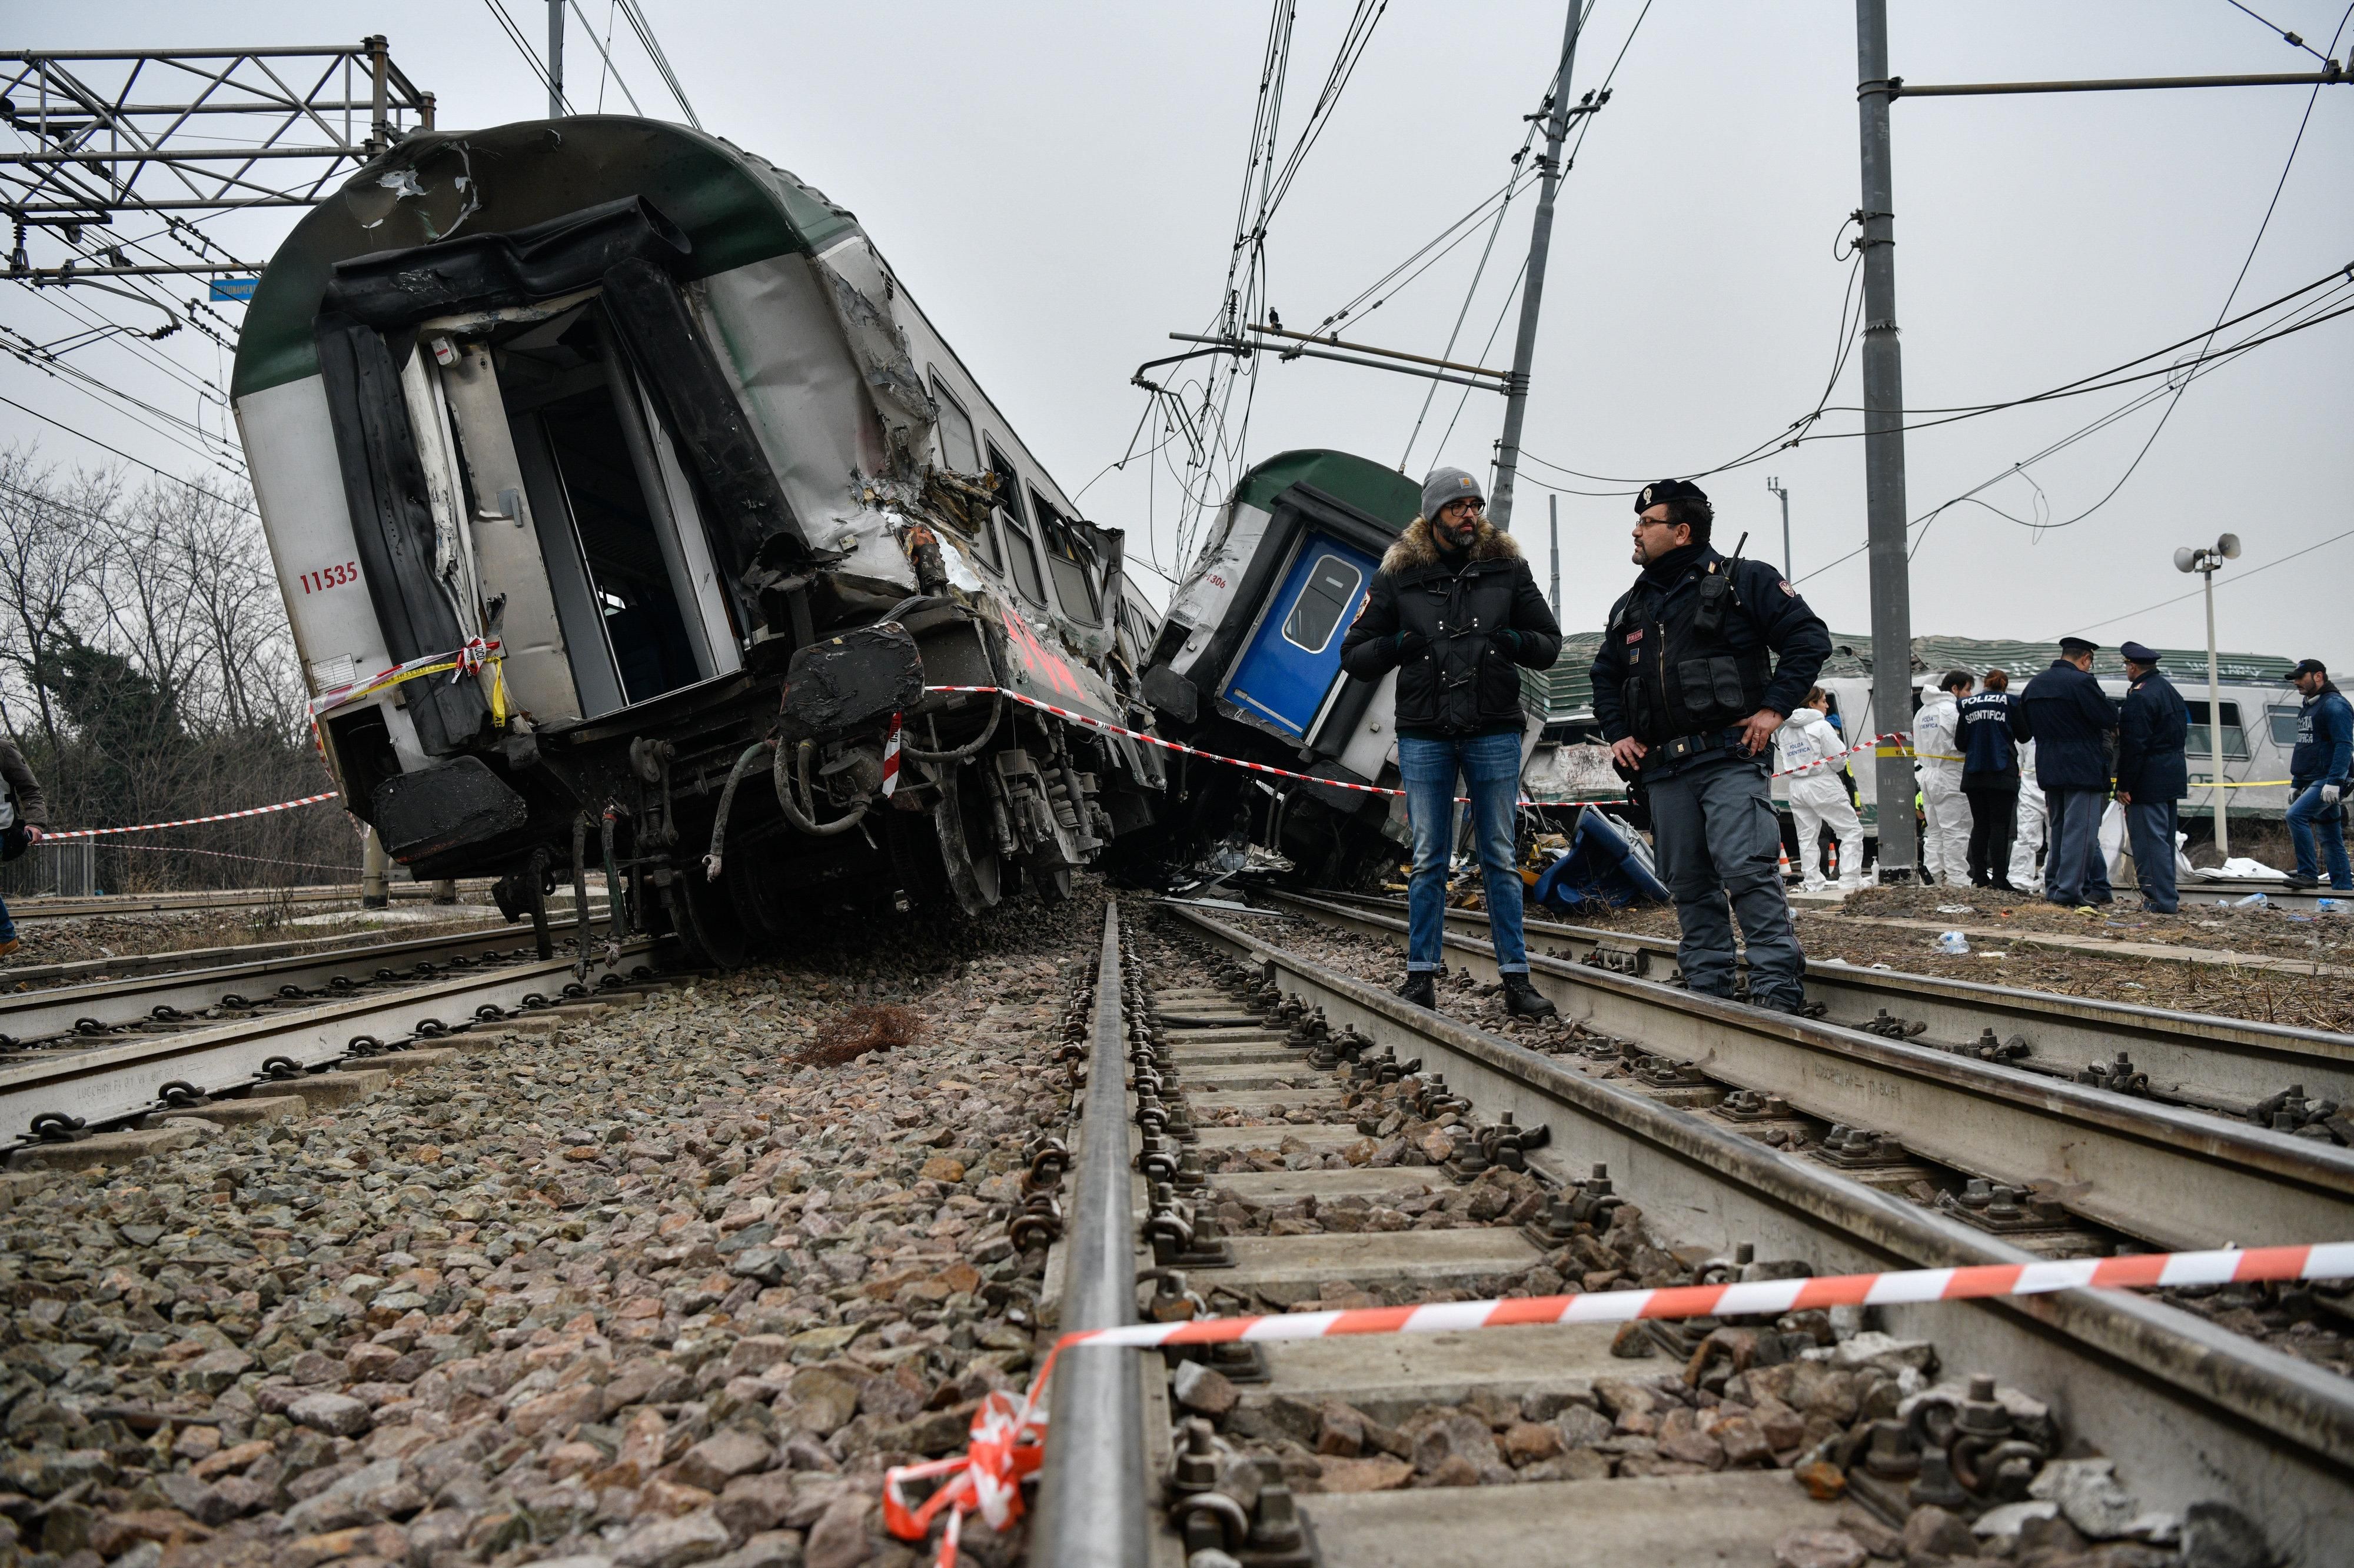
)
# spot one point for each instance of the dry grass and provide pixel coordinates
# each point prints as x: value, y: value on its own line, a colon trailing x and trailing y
x: 862, y: 1029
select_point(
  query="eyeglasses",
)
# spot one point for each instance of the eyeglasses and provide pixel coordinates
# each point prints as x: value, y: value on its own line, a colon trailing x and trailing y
x: 1467, y: 504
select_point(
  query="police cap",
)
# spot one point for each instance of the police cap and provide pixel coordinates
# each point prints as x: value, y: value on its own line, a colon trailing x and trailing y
x: 2075, y: 645
x: 1661, y: 492
x: 2135, y: 653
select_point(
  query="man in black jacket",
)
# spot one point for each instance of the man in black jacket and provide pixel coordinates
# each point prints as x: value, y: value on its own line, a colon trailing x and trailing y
x: 2152, y: 773
x: 1456, y: 612
x: 1686, y: 687
x: 24, y: 813
x: 2071, y: 721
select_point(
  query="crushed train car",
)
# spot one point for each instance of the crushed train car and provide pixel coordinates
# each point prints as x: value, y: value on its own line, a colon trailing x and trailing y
x: 1246, y: 663
x: 658, y: 504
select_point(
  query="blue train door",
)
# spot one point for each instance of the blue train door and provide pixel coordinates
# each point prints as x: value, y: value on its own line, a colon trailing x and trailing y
x: 1294, y: 658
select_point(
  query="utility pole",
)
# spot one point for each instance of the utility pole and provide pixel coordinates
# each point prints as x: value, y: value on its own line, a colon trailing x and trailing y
x: 1775, y: 485
x: 1555, y: 502
x: 1883, y: 453
x: 555, y: 60
x: 1524, y: 349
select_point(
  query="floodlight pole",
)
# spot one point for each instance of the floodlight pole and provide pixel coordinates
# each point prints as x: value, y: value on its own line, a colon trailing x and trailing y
x: 2215, y: 711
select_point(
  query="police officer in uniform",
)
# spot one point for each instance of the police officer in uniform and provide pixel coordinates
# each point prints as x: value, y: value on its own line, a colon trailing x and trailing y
x: 2152, y: 775
x: 2072, y: 723
x: 1686, y: 689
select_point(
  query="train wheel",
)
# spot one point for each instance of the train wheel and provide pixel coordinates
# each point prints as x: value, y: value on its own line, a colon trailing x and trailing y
x: 960, y: 824
x: 708, y: 924
x: 1051, y: 878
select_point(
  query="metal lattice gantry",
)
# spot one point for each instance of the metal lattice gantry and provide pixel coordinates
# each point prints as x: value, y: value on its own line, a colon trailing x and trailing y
x: 169, y: 131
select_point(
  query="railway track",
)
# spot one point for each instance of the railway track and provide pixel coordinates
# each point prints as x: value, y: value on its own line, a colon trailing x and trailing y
x: 2232, y: 890
x: 58, y: 1097
x: 2189, y: 1059
x: 1288, y: 1118
x: 175, y: 999
x: 214, y: 898
x: 2084, y: 1166
x: 122, y: 965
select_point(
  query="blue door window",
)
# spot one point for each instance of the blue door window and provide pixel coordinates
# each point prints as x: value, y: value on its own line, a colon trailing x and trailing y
x: 1293, y: 659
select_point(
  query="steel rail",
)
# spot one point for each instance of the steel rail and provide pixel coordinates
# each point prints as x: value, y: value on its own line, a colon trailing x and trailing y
x: 2184, y: 1406
x: 116, y: 1083
x: 2178, y: 1178
x: 1091, y: 1498
x: 122, y: 966
x: 201, y: 898
x: 2226, y: 1064
x: 41, y: 1014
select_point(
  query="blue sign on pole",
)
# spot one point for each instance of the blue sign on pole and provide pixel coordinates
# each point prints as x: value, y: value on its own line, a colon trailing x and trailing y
x: 233, y: 288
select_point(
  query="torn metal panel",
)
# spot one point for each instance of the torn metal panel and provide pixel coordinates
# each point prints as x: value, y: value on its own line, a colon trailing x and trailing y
x: 784, y: 355
x: 860, y: 291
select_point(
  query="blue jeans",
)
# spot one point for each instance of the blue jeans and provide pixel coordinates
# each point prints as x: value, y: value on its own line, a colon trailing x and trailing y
x: 1490, y: 764
x: 2150, y: 825
x: 7, y: 927
x: 2074, y: 872
x: 2305, y: 812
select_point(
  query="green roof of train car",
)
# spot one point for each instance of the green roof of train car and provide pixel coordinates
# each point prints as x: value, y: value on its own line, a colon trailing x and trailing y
x: 1378, y: 492
x: 736, y: 207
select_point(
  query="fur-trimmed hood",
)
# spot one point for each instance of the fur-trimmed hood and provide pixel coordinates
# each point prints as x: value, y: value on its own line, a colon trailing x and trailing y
x: 1415, y: 547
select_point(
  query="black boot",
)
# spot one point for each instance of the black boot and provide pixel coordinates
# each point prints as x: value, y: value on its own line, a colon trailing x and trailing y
x: 1522, y: 1001
x: 1419, y: 990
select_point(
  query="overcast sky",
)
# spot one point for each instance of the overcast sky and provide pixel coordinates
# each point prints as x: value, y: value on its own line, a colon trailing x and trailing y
x: 1057, y: 184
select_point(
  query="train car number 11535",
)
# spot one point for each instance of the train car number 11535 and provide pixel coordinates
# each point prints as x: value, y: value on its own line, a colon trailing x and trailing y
x: 330, y: 576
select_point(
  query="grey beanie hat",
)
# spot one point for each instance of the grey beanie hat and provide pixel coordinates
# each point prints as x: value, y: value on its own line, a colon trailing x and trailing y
x: 1445, y: 484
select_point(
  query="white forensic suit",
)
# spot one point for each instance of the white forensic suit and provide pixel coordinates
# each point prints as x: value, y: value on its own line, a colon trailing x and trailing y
x: 1946, y: 810
x: 2026, y: 876
x: 1809, y: 741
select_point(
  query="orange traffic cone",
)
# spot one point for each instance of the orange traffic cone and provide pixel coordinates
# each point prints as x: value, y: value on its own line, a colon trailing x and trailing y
x: 1786, y: 864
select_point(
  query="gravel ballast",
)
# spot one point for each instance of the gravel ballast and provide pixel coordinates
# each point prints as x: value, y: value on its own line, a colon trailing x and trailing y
x: 654, y: 1291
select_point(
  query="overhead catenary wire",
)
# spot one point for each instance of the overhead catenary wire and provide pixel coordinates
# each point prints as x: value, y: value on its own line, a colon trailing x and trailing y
x: 531, y: 56
x: 605, y: 53
x: 126, y: 457
x: 635, y: 15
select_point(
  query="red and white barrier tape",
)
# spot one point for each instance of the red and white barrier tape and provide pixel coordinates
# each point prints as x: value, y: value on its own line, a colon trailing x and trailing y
x: 1177, y: 746
x: 191, y: 821
x: 1166, y: 744
x: 1009, y: 1439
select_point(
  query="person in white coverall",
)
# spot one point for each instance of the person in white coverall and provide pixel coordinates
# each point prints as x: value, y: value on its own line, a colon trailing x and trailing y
x: 1944, y: 809
x: 1809, y: 741
x: 2025, y: 875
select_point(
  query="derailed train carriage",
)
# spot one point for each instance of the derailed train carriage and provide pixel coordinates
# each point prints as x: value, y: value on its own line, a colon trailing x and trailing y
x: 1246, y: 663
x: 623, y: 500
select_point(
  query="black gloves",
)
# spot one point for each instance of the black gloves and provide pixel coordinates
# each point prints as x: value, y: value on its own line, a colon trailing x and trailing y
x: 1412, y: 645
x: 1507, y: 643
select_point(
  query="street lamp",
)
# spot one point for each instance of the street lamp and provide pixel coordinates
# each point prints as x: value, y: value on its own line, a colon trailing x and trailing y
x: 2205, y: 562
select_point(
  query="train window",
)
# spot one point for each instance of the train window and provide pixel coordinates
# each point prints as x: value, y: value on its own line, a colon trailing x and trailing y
x: 1021, y: 552
x: 959, y: 449
x: 2197, y: 741
x: 1071, y: 561
x: 2284, y: 725
x: 1323, y: 601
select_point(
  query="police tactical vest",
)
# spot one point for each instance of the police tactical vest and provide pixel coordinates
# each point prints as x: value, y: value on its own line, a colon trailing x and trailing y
x: 1684, y: 677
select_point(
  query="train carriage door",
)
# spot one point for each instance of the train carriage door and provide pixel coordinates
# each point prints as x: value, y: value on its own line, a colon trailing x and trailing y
x: 1293, y: 662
